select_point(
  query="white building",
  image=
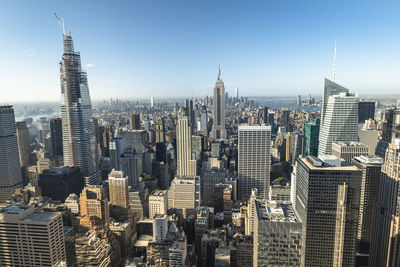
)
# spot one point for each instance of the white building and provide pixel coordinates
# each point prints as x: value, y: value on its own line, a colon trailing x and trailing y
x: 72, y: 202
x: 118, y: 189
x: 184, y: 193
x: 160, y: 228
x: 254, y: 160
x: 158, y: 203
x: 340, y: 122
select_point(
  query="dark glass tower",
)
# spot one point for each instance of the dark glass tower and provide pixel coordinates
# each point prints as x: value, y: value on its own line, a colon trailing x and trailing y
x: 56, y: 137
x: 79, y: 138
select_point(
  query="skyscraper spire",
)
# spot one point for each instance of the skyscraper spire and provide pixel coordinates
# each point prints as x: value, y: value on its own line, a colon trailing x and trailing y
x: 334, y: 62
x: 219, y: 72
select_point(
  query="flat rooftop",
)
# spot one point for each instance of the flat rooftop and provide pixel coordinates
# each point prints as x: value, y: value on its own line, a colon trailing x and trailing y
x: 314, y: 163
x: 271, y: 210
x: 14, y: 209
x: 41, y: 216
x: 350, y: 144
x: 158, y: 192
x: 369, y: 159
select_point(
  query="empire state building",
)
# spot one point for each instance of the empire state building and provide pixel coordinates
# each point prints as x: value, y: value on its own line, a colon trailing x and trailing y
x: 218, y: 128
x: 79, y: 139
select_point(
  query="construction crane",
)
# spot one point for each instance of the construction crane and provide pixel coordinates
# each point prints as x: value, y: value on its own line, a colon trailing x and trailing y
x: 61, y: 22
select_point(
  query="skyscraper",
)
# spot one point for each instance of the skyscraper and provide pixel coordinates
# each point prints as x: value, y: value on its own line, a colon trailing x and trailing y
x: 134, y: 121
x: 186, y: 163
x: 218, y: 128
x: 118, y: 188
x: 116, y: 148
x: 311, y: 134
x: 366, y: 110
x: 384, y: 248
x: 129, y: 165
x: 160, y: 134
x: 370, y: 184
x: 330, y: 88
x: 327, y: 202
x: 254, y: 160
x: 10, y: 174
x: 340, y: 122
x: 56, y: 137
x: 24, y: 146
x: 79, y: 137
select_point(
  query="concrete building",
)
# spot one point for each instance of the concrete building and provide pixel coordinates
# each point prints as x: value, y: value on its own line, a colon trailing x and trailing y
x: 118, y: 189
x: 10, y: 175
x: 186, y: 162
x: 340, y: 122
x: 370, y: 189
x: 92, y: 250
x: 277, y: 235
x: 24, y: 144
x: 254, y: 160
x: 72, y: 202
x: 328, y: 237
x: 136, y: 139
x: 218, y: 129
x: 279, y: 193
x: 160, y: 227
x: 31, y: 238
x: 384, y: 249
x: 349, y: 150
x: 184, y: 193
x: 129, y: 165
x: 158, y: 203
x: 134, y: 121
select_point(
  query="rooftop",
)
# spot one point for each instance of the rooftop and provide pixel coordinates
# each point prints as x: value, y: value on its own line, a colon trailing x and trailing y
x: 351, y: 144
x: 159, y: 192
x: 370, y: 159
x: 14, y: 209
x: 41, y: 216
x: 274, y: 211
x: 325, y: 163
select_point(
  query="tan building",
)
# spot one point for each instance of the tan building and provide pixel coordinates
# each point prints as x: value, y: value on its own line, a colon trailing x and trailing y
x: 349, y: 150
x: 184, y: 193
x: 94, y: 209
x: 29, y: 238
x: 118, y: 189
x: 187, y: 166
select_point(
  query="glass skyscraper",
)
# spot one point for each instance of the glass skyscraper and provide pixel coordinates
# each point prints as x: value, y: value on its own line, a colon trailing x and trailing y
x: 78, y: 132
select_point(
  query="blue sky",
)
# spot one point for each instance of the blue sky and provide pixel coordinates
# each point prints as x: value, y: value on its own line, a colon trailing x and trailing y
x: 171, y: 48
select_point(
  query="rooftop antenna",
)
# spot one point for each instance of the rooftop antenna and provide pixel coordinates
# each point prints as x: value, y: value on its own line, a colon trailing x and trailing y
x: 334, y: 62
x: 219, y: 72
x: 61, y: 22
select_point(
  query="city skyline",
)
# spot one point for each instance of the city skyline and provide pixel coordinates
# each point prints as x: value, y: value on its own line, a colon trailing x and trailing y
x: 159, y: 49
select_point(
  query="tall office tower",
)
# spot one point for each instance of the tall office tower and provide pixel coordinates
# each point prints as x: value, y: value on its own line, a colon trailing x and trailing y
x: 78, y: 133
x: 58, y: 183
x: 340, y: 122
x: 136, y: 139
x: 10, y: 174
x: 387, y: 127
x: 278, y: 232
x: 254, y: 160
x: 160, y: 134
x: 56, y: 137
x: 184, y: 193
x: 384, y: 249
x: 134, y: 121
x: 327, y: 237
x: 24, y: 146
x: 218, y: 128
x: 190, y: 112
x: 118, y: 189
x: 349, y: 150
x: 298, y: 102
x: 296, y: 145
x: 366, y: 110
x: 116, y: 148
x: 330, y: 89
x: 197, y: 146
x: 311, y: 135
x: 152, y: 102
x: 186, y: 164
x: 94, y: 209
x: 31, y: 238
x: 129, y: 165
x: 158, y: 203
x: 265, y: 115
x: 284, y: 119
x: 370, y: 183
x: 203, y: 121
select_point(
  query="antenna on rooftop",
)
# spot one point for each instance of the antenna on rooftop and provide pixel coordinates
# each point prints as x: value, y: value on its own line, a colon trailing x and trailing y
x: 334, y: 62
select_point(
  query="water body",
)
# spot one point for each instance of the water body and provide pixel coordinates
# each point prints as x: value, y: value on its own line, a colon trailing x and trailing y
x: 279, y: 103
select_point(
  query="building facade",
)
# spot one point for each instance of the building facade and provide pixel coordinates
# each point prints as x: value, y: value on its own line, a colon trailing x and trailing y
x: 218, y: 128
